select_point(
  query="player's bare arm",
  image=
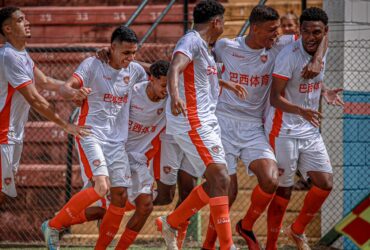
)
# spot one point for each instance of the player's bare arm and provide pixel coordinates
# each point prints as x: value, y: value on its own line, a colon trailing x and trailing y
x: 72, y: 90
x: 177, y: 66
x: 46, y: 82
x: 43, y: 107
x: 315, y: 66
x: 278, y: 101
x: 237, y: 88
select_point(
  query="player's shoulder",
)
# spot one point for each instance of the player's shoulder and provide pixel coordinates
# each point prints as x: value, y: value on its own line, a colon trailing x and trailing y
x: 290, y: 50
x: 226, y: 42
x: 136, y: 66
x: 10, y: 54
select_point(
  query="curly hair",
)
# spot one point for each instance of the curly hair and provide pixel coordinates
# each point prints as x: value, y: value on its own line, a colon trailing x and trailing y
x: 5, y: 14
x: 159, y: 68
x: 263, y: 13
x: 205, y: 10
x: 314, y: 14
x: 124, y: 34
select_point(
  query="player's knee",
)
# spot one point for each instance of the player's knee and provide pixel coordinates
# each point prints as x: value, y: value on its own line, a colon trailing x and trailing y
x: 101, y: 189
x: 145, y: 209
x: 223, y: 181
x: 326, y: 185
x: 269, y: 185
x: 163, y: 200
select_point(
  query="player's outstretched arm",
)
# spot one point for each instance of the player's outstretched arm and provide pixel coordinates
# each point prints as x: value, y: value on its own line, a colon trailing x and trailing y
x: 278, y: 101
x: 72, y: 90
x: 237, y: 88
x: 177, y: 66
x: 43, y: 107
x: 315, y: 66
x: 46, y: 82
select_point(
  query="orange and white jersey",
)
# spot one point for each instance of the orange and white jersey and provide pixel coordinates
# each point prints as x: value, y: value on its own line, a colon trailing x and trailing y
x: 106, y: 109
x: 252, y: 68
x: 16, y: 72
x: 304, y: 93
x: 198, y: 86
x: 147, y: 120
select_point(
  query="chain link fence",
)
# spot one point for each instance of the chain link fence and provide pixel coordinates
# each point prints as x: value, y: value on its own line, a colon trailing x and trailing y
x: 49, y: 173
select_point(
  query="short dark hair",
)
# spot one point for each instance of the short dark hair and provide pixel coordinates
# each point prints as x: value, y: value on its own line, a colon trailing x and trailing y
x: 124, y: 34
x: 205, y: 10
x: 263, y: 13
x: 314, y: 14
x: 159, y: 68
x: 5, y: 14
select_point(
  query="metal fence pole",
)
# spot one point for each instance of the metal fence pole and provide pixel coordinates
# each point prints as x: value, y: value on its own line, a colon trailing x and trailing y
x: 186, y: 16
x: 136, y: 13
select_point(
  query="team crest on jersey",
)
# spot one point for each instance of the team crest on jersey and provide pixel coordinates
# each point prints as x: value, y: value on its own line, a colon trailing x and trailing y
x: 126, y: 79
x: 159, y: 111
x: 8, y: 181
x: 216, y: 149
x: 263, y: 58
x: 96, y: 163
x: 167, y: 169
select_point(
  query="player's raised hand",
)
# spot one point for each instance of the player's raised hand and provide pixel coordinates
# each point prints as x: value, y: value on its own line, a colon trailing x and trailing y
x: 78, y: 131
x: 178, y: 106
x: 332, y: 97
x: 313, y: 116
x: 312, y: 69
x: 103, y: 54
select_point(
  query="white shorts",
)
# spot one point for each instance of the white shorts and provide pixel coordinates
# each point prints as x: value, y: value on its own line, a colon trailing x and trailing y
x: 243, y: 140
x: 104, y: 158
x: 171, y: 160
x: 202, y: 147
x: 300, y: 154
x: 142, y: 180
x: 10, y: 155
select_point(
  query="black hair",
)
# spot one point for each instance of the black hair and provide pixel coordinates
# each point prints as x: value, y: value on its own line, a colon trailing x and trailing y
x: 124, y: 34
x: 263, y: 13
x: 159, y: 68
x: 314, y: 14
x: 206, y: 10
x: 5, y: 14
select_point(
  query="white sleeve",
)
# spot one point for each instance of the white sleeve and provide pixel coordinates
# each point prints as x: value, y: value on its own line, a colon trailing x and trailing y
x: 219, y: 49
x: 15, y: 72
x: 83, y: 72
x: 284, y: 64
x: 187, y: 46
x: 141, y: 74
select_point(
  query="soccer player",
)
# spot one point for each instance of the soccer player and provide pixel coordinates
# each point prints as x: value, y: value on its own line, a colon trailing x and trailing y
x: 289, y: 24
x: 103, y: 154
x: 249, y: 61
x: 293, y: 125
x: 18, y: 80
x: 190, y: 113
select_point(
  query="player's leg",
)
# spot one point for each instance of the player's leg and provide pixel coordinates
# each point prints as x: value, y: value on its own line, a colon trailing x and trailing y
x: 286, y: 151
x: 120, y: 178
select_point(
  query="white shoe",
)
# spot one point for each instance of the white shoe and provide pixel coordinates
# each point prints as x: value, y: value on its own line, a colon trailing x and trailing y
x: 299, y: 240
x: 169, y: 234
x: 51, y: 236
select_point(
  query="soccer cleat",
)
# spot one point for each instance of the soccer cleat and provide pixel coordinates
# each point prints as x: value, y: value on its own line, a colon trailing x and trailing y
x: 299, y: 240
x: 51, y: 236
x: 248, y: 236
x: 169, y: 234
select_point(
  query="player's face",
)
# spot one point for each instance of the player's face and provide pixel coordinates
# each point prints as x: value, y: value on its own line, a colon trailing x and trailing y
x: 267, y: 33
x: 160, y: 86
x: 289, y: 27
x: 123, y: 53
x: 312, y: 33
x: 18, y: 26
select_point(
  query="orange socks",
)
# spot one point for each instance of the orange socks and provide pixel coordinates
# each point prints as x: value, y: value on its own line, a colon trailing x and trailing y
x: 211, y: 236
x: 312, y: 203
x: 79, y: 219
x: 109, y: 226
x: 127, y: 238
x: 73, y: 208
x: 197, y: 199
x: 219, y: 207
x: 275, y: 214
x: 259, y: 202
x: 181, y: 233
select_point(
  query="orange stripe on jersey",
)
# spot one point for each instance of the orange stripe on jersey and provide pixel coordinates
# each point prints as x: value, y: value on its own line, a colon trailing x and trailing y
x: 5, y: 116
x: 281, y: 77
x: 80, y: 81
x: 83, y: 113
x: 24, y: 84
x: 157, y: 164
x: 156, y: 143
x: 191, y: 96
x: 277, y: 122
x: 201, y: 148
x: 84, y: 160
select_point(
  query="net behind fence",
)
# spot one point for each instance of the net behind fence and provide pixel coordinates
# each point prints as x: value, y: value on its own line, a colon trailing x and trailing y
x: 49, y: 172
